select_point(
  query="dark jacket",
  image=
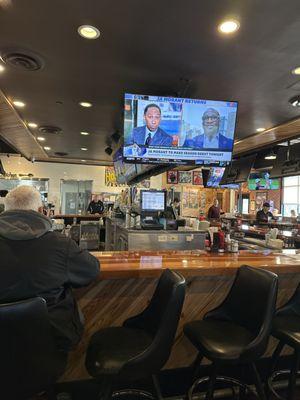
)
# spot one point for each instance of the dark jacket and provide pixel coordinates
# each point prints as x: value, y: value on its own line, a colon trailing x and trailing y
x: 96, y: 207
x: 213, y: 212
x: 261, y: 216
x: 160, y: 138
x: 34, y: 261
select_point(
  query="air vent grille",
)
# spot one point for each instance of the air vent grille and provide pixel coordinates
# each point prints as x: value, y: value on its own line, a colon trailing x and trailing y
x: 22, y: 61
x: 47, y: 129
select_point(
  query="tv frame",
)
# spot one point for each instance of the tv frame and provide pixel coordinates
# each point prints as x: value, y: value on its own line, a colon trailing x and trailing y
x: 232, y: 173
x: 198, y: 162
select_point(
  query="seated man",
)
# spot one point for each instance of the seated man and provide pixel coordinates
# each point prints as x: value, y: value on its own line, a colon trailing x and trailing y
x: 38, y: 262
x: 211, y: 138
x: 151, y: 134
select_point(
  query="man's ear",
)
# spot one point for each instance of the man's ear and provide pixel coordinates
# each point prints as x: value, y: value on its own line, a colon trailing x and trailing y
x: 40, y: 210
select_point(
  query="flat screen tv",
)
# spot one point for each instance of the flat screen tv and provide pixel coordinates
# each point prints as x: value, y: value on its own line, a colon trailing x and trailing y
x: 2, y: 172
x: 261, y: 180
x: 285, y: 167
x: 178, y: 130
x: 213, y: 176
x: 124, y: 171
x: 238, y: 171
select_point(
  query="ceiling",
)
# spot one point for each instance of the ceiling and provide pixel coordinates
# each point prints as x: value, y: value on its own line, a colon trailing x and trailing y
x: 144, y: 47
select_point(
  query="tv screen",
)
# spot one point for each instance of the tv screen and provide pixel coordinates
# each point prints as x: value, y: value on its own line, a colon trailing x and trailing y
x: 238, y: 171
x: 284, y: 165
x: 178, y: 130
x: 124, y: 171
x: 153, y: 200
x: 2, y: 172
x: 261, y: 180
x: 213, y: 176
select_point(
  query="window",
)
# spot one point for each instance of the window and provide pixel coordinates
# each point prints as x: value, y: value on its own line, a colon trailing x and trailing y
x: 291, y: 195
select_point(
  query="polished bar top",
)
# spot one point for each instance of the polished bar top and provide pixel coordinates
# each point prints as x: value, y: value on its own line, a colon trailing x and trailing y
x: 144, y: 264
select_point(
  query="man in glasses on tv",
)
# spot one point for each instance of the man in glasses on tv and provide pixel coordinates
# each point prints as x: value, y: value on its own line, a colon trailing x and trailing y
x: 211, y: 137
x: 151, y: 134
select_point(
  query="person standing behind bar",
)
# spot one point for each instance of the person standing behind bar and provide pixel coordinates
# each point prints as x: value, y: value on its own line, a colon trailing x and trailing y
x: 95, y: 207
x: 37, y: 262
x: 214, y: 210
x: 264, y: 215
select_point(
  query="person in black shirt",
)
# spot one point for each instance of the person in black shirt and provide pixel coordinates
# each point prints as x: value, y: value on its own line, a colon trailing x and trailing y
x: 264, y: 214
x: 95, y: 207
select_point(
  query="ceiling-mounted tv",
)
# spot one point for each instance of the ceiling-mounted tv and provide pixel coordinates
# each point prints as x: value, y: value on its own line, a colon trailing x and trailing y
x: 213, y: 176
x: 285, y: 167
x: 178, y: 130
x: 2, y: 171
x: 124, y: 171
x: 238, y: 171
x: 261, y: 180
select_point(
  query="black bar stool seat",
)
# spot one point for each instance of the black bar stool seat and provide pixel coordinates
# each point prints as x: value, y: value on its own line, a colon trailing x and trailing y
x: 121, y: 345
x: 237, y: 331
x: 219, y: 340
x: 286, y: 328
x: 141, y: 347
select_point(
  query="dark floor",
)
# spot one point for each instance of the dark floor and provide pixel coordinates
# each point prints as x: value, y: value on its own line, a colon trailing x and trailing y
x: 173, y: 383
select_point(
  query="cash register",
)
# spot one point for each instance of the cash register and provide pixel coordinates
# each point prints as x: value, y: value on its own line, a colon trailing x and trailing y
x: 152, y: 203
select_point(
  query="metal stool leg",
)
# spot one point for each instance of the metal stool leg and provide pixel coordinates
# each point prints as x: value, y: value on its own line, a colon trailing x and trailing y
x: 293, y: 375
x: 157, y: 387
x: 211, y: 383
x: 196, y: 366
x: 258, y: 383
x: 106, y: 389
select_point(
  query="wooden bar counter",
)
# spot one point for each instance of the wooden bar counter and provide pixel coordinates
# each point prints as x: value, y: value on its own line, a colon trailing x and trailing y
x: 128, y: 279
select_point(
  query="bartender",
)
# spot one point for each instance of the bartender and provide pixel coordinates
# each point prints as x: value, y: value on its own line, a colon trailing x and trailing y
x: 95, y: 207
x: 264, y: 215
x: 214, y: 210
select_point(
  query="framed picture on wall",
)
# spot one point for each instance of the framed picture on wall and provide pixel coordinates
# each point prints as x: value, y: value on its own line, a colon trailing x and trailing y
x: 172, y: 177
x: 261, y: 197
x: 197, y: 178
x: 185, y: 177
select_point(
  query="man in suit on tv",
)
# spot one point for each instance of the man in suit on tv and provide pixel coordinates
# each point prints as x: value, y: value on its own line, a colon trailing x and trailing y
x: 151, y: 134
x: 212, y: 138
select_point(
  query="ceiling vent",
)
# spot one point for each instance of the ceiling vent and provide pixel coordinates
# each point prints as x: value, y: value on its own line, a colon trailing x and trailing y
x: 22, y: 60
x: 47, y: 129
x: 61, y: 153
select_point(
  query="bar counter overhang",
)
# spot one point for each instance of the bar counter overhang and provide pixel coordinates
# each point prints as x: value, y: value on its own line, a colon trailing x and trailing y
x: 128, y: 279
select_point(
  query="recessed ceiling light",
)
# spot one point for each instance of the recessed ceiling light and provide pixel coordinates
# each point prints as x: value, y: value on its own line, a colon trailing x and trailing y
x: 229, y: 26
x: 47, y: 148
x: 88, y: 31
x: 41, y: 138
x: 18, y: 103
x: 85, y: 104
x: 296, y: 71
x: 2, y: 68
x: 260, y: 129
x: 32, y: 125
x: 84, y: 148
x: 84, y: 133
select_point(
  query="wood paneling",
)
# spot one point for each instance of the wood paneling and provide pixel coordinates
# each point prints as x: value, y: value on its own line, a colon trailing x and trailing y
x: 268, y: 137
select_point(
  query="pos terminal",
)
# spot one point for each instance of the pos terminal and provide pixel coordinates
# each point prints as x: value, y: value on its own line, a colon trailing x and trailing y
x: 152, y: 203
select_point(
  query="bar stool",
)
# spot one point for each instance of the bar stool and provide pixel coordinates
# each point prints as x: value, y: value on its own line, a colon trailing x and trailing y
x: 141, y: 347
x: 286, y: 328
x: 236, y: 332
x: 30, y: 361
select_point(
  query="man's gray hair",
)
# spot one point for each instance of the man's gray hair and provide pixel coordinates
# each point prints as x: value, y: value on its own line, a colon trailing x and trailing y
x: 23, y: 198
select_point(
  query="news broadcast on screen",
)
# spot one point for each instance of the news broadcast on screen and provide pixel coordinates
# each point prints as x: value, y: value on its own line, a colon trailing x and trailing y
x: 178, y: 130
